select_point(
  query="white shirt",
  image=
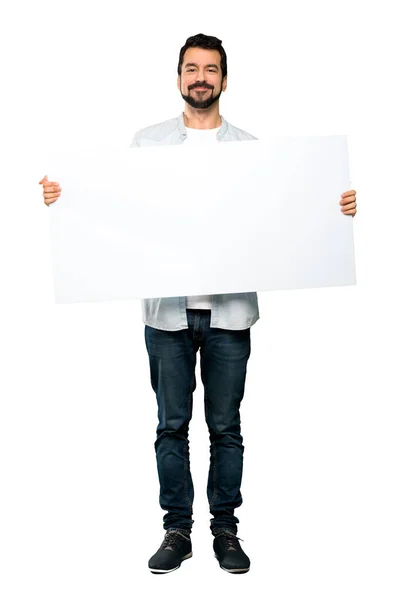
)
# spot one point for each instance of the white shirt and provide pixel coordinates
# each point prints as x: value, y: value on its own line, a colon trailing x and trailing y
x: 200, y: 137
x: 234, y: 311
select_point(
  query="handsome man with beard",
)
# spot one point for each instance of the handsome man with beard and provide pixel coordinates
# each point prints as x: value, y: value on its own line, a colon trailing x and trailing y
x: 175, y: 328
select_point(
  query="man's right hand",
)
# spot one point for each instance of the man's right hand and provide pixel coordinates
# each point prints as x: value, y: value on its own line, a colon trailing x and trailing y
x: 51, y: 190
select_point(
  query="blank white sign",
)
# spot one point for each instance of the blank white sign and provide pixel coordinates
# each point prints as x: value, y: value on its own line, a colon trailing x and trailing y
x: 178, y: 221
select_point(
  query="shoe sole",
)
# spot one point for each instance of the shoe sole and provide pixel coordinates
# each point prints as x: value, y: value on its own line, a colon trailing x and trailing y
x: 234, y: 571
x: 163, y: 571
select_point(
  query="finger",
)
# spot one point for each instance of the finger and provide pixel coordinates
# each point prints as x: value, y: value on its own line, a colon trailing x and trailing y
x: 350, y: 212
x: 54, y: 195
x: 347, y: 200
x: 348, y: 193
x: 55, y: 183
x: 44, y: 179
x: 52, y: 188
x: 350, y: 205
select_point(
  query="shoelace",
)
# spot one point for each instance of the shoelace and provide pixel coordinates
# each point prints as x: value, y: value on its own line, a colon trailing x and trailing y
x: 171, y: 540
x: 230, y: 540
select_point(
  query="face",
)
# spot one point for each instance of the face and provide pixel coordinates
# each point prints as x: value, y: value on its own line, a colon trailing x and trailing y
x: 201, y: 81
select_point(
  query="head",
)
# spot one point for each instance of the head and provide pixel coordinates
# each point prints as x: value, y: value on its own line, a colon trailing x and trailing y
x: 202, y: 64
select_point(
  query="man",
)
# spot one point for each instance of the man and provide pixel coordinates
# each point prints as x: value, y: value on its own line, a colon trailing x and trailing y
x: 175, y: 328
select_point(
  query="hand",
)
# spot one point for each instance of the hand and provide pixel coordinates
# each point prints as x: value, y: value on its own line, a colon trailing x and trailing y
x: 348, y: 202
x: 51, y: 190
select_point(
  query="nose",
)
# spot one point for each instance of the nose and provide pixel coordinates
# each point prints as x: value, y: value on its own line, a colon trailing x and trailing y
x: 201, y: 74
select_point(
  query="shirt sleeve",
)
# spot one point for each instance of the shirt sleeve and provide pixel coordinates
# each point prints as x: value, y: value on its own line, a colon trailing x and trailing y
x: 135, y: 141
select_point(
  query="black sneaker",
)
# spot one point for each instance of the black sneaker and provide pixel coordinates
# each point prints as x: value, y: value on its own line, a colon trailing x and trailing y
x: 230, y: 555
x: 175, y: 548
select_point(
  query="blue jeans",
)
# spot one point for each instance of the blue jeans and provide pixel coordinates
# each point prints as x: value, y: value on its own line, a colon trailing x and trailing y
x: 223, y: 360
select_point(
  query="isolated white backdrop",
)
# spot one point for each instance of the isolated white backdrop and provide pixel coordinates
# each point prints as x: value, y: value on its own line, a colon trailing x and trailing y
x: 320, y: 418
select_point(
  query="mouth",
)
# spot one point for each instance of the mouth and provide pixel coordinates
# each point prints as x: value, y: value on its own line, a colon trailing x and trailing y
x: 201, y: 89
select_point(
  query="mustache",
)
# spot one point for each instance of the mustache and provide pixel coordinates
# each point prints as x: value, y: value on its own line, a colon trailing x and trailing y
x: 199, y: 84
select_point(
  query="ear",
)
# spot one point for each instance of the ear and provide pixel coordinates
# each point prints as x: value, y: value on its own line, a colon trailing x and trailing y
x: 224, y: 83
x: 179, y: 83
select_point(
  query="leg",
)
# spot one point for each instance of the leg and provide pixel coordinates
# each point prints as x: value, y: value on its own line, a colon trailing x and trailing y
x: 172, y: 367
x: 224, y: 357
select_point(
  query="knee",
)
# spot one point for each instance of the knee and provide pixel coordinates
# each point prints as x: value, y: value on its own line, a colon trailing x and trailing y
x: 176, y: 427
x: 219, y: 429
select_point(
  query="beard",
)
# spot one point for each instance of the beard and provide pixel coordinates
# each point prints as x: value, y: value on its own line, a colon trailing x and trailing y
x: 201, y: 104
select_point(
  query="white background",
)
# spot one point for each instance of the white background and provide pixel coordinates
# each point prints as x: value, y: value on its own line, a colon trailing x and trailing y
x: 320, y: 418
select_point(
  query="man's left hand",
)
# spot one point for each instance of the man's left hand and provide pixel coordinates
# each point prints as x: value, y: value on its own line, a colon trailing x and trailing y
x: 348, y: 203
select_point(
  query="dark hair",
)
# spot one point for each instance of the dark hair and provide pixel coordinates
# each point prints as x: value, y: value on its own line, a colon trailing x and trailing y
x: 208, y: 42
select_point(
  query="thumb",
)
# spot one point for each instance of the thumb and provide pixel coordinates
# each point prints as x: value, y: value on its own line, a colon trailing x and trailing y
x: 44, y: 179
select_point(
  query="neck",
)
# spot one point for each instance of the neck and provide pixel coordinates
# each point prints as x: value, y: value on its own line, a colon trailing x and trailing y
x: 202, y: 118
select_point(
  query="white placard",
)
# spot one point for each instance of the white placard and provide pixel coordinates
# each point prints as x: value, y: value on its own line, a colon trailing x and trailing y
x: 178, y: 221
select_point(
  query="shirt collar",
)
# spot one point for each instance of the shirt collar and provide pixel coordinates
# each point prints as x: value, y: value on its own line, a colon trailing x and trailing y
x: 183, y: 133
